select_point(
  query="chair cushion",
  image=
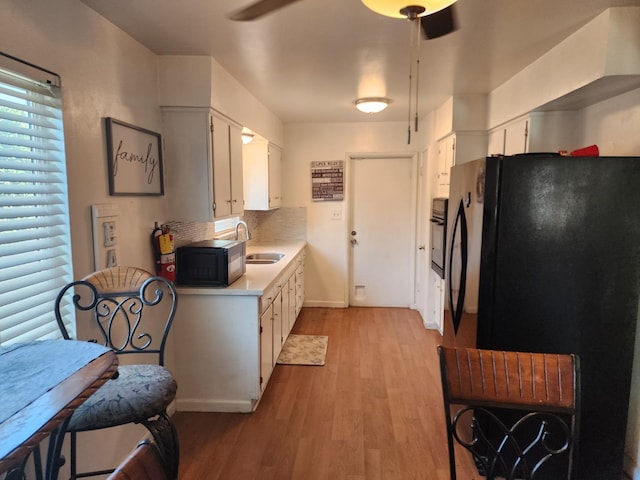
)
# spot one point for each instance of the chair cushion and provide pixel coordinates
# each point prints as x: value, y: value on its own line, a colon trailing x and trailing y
x: 140, y: 392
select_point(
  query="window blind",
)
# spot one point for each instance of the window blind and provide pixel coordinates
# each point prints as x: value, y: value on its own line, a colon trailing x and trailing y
x: 35, y: 246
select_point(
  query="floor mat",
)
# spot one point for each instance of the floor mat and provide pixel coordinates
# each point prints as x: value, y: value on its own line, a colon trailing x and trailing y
x: 304, y: 350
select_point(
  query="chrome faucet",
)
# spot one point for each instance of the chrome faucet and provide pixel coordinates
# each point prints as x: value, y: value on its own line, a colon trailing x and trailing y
x: 246, y: 229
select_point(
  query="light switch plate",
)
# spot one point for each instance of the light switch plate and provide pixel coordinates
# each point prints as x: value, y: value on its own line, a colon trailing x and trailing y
x: 104, y: 218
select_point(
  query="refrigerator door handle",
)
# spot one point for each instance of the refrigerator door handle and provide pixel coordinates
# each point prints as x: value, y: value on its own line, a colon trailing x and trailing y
x: 456, y: 311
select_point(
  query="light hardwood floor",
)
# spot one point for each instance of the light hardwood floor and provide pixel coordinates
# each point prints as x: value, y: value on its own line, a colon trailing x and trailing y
x: 373, y: 411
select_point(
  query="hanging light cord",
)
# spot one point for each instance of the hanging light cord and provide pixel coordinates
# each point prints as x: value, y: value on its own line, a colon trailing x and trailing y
x: 410, y: 88
x: 417, y: 20
x: 414, y: 52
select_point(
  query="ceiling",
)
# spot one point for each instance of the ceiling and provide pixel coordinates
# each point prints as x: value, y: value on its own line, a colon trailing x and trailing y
x: 309, y: 61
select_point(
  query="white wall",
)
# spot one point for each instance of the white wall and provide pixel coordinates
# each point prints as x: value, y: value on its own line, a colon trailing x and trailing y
x: 104, y: 74
x: 327, y: 254
x: 200, y: 81
x: 613, y: 125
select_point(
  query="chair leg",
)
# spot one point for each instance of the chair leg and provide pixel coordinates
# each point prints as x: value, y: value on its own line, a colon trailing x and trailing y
x: 73, y: 457
x: 165, y: 436
x: 452, y: 455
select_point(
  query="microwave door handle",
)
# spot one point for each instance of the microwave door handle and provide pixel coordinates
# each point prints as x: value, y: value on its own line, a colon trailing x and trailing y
x: 456, y: 311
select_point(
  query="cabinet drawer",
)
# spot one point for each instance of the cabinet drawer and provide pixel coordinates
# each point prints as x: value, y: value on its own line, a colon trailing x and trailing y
x: 267, y: 298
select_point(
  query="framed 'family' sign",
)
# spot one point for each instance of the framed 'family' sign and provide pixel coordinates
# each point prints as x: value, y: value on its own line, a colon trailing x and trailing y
x: 135, y: 160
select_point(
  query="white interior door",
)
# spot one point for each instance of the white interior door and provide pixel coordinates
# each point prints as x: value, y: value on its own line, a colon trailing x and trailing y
x: 382, y: 232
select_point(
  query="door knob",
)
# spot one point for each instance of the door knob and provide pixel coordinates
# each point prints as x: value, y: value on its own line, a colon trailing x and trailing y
x: 421, y: 247
x: 353, y: 232
x: 354, y: 241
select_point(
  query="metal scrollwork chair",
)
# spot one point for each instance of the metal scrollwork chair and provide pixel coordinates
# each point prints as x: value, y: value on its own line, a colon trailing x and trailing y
x: 517, y: 413
x: 116, y: 299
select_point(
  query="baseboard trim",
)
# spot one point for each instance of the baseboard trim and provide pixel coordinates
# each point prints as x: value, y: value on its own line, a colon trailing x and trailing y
x: 226, y: 406
x: 324, y: 304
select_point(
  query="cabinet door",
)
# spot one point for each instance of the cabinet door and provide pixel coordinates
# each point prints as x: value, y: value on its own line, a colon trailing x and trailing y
x: 516, y: 137
x: 291, y: 288
x: 275, y: 177
x: 436, y: 297
x: 446, y: 156
x: 187, y: 153
x: 278, y: 336
x: 266, y: 346
x: 299, y: 289
x: 221, y: 167
x: 286, y: 311
x: 235, y: 159
x: 496, y: 141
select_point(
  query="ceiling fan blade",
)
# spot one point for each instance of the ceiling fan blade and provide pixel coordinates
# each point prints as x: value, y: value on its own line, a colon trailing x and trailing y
x: 258, y: 9
x: 439, y: 23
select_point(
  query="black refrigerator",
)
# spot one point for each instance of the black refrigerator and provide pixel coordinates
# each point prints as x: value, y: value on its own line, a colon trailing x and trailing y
x: 544, y: 256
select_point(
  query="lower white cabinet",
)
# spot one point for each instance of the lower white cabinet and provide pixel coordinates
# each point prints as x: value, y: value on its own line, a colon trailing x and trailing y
x: 279, y: 335
x: 267, y: 331
x: 292, y: 312
x: 299, y: 288
x: 228, y: 344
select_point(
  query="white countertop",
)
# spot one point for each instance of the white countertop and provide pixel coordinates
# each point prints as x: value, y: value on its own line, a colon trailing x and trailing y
x: 258, y: 277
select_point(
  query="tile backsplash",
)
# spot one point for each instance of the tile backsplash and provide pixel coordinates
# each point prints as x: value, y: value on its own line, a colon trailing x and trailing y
x: 284, y: 224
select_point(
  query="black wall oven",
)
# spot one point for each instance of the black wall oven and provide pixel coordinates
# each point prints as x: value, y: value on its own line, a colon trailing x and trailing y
x: 438, y: 234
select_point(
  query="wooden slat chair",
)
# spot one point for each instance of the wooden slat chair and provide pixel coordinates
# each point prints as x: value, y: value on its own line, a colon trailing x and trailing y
x: 144, y: 463
x: 517, y: 413
x: 132, y: 312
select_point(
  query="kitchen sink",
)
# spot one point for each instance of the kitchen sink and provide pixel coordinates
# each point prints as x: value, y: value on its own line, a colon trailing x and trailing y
x: 264, y: 258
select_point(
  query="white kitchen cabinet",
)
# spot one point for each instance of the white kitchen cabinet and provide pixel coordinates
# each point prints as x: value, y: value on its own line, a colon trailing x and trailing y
x: 266, y: 346
x: 228, y: 340
x: 299, y: 288
x: 436, y: 301
x: 291, y: 303
x: 535, y: 132
x: 262, y: 175
x: 454, y: 149
x: 278, y: 327
x: 516, y: 137
x: 446, y: 155
x: 496, y: 142
x: 203, y: 156
x: 235, y: 159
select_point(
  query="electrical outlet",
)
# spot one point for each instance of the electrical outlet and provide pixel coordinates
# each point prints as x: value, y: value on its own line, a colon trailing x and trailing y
x: 112, y: 260
x: 336, y: 214
x: 109, y: 231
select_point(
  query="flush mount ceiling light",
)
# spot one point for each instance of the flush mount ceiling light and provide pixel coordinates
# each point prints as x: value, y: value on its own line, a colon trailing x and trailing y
x: 392, y: 8
x: 372, y: 104
x: 246, y: 138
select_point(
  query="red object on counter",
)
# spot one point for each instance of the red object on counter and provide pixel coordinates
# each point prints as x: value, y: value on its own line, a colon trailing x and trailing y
x: 590, y: 151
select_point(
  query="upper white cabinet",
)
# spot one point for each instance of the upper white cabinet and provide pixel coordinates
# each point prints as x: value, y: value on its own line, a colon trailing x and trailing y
x: 262, y: 175
x: 203, y: 153
x: 534, y: 132
x: 456, y: 148
x: 446, y: 154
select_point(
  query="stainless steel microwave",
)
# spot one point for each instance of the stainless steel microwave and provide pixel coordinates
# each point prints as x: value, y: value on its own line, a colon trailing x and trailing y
x: 210, y: 263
